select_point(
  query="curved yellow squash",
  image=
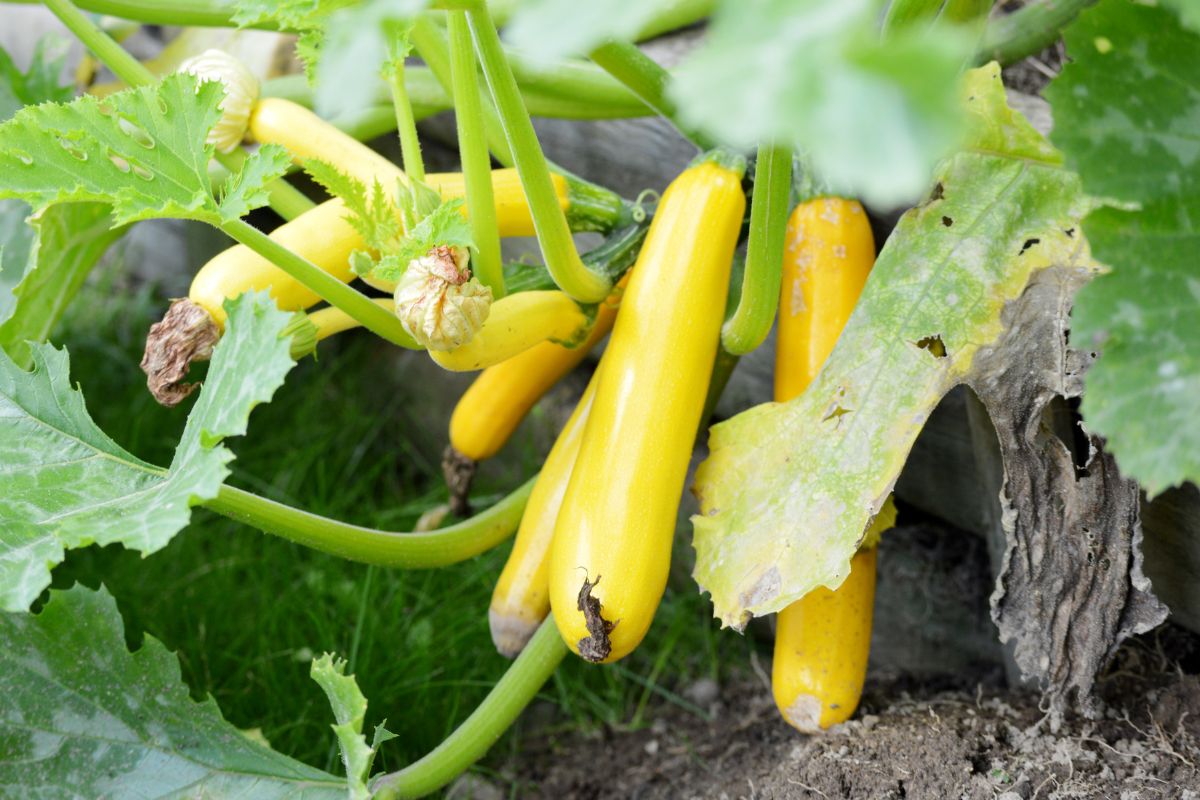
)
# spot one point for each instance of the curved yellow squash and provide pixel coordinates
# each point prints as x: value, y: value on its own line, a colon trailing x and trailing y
x: 515, y: 323
x: 612, y: 542
x: 494, y: 405
x: 822, y: 641
x: 521, y: 598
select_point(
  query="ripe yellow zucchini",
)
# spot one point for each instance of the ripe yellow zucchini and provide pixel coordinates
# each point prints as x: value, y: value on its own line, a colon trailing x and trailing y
x: 822, y: 640
x: 306, y: 135
x: 494, y: 405
x: 521, y: 598
x: 515, y: 323
x: 612, y: 541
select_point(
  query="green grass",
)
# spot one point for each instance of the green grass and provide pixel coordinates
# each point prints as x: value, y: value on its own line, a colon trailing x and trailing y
x: 246, y: 612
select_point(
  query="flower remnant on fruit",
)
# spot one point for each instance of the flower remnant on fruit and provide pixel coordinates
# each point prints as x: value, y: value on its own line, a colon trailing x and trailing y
x: 241, y: 94
x: 438, y: 301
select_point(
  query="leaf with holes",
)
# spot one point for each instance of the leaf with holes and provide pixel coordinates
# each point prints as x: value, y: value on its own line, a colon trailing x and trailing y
x: 65, y: 484
x: 1127, y: 116
x: 84, y: 717
x: 141, y: 150
x: 789, y: 488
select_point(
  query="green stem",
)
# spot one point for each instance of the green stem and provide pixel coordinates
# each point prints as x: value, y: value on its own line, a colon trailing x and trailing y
x: 430, y: 42
x: 103, y: 46
x: 406, y: 122
x: 473, y: 152
x: 755, y: 314
x: 645, y: 78
x: 330, y: 289
x: 285, y: 199
x: 416, y: 550
x: 1012, y: 37
x: 549, y: 222
x: 673, y: 15
x: 487, y: 723
x: 428, y: 97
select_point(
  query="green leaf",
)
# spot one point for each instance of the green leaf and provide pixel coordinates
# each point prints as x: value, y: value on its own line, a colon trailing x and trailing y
x: 774, y: 524
x: 873, y: 115
x: 37, y: 85
x: 553, y: 29
x: 1188, y: 10
x: 16, y: 243
x: 64, y: 484
x: 141, y: 150
x: 84, y: 717
x: 349, y: 709
x: 67, y: 241
x: 1127, y: 116
x: 353, y: 51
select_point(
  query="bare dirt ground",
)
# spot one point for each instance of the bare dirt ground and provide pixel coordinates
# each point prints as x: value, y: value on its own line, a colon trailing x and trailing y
x: 937, y: 738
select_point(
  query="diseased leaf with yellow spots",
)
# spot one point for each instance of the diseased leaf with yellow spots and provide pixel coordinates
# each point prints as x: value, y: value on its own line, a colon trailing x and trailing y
x: 789, y: 488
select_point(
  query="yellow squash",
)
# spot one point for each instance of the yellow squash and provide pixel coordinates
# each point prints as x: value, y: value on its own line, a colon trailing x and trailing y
x: 521, y: 599
x: 515, y: 323
x: 494, y: 405
x: 306, y: 135
x: 822, y: 640
x: 612, y: 541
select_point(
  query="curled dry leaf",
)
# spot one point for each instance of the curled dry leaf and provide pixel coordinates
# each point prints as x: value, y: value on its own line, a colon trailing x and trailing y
x: 185, y: 334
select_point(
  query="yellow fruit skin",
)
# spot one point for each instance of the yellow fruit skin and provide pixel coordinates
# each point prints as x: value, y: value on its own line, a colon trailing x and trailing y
x: 521, y: 598
x: 515, y: 323
x: 324, y: 237
x: 618, y: 516
x: 822, y: 641
x: 828, y: 255
x: 821, y: 646
x: 306, y: 135
x: 494, y: 405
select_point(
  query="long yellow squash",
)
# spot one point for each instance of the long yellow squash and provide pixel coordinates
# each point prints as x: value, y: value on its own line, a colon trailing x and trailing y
x: 612, y: 541
x: 494, y: 405
x: 822, y: 640
x: 521, y: 599
x: 306, y: 135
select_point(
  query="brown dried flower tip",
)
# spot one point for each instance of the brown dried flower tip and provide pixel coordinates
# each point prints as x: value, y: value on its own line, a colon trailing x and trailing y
x: 185, y: 334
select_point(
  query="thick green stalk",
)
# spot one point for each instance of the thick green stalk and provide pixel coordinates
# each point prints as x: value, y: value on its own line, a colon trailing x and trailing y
x: 645, y: 78
x: 549, y: 222
x: 553, y: 98
x: 473, y: 152
x: 755, y: 314
x: 1012, y: 37
x: 356, y: 304
x: 406, y: 122
x: 403, y: 550
x: 487, y: 723
x: 285, y: 199
x: 430, y: 42
x: 673, y: 15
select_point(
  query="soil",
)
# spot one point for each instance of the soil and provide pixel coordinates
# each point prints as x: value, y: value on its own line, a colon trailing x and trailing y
x: 934, y: 738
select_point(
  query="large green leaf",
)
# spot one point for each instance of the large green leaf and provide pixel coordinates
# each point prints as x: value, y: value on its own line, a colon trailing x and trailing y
x: 65, y: 484
x: 789, y: 488
x: 141, y: 150
x: 84, y: 717
x: 874, y: 115
x: 1127, y: 116
x: 37, y: 84
x: 68, y: 240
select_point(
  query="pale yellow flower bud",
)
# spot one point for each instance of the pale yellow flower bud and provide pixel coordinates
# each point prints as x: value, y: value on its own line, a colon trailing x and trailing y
x: 241, y: 93
x: 438, y: 302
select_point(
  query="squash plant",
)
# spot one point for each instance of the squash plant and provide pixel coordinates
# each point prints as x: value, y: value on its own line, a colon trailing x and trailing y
x: 827, y: 102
